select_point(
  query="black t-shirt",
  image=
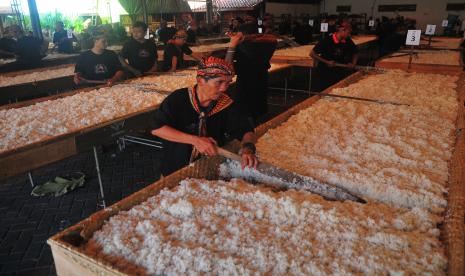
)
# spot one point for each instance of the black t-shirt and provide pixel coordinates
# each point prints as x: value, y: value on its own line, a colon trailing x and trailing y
x: 97, y: 67
x: 340, y: 52
x: 65, y: 45
x: 177, y: 112
x: 28, y: 50
x: 166, y: 34
x: 171, y: 51
x: 253, y: 57
x: 7, y: 45
x: 141, y: 56
x: 191, y: 36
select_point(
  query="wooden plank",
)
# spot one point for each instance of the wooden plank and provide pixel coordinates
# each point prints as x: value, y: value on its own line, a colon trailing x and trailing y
x: 36, y: 157
x: 32, y: 90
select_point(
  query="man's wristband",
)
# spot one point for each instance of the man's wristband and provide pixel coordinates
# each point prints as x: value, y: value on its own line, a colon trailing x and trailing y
x: 248, y: 146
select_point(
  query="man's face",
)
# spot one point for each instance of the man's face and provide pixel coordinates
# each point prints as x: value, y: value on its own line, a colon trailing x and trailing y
x: 101, y: 43
x: 344, y: 33
x: 58, y: 27
x: 180, y: 41
x: 213, y: 88
x: 138, y: 33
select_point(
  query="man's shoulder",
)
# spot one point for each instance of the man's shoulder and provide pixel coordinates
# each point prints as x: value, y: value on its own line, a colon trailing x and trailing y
x: 178, y: 95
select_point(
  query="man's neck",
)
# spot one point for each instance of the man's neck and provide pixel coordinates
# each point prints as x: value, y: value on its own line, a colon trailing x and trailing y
x: 97, y: 51
x: 204, y: 101
x: 141, y: 40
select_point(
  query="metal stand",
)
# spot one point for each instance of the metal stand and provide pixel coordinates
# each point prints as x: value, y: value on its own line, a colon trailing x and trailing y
x: 286, y: 89
x: 97, y: 167
x: 137, y: 140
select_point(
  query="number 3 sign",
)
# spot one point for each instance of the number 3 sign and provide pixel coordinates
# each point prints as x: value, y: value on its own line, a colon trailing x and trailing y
x: 413, y: 37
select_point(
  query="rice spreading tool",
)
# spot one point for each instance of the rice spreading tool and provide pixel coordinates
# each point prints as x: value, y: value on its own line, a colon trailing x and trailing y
x: 363, y: 68
x: 291, y: 180
x: 356, y: 98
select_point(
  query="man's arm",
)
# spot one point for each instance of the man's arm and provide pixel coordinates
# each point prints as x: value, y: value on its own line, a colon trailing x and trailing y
x: 174, y: 63
x: 116, y: 77
x: 205, y: 145
x: 314, y: 55
x: 126, y: 65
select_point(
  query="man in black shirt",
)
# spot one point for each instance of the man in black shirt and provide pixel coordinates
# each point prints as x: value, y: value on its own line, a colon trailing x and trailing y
x: 173, y: 57
x: 194, y: 121
x: 139, y: 55
x: 98, y: 64
x: 61, y: 39
x: 192, y: 34
x: 7, y: 45
x: 252, y: 63
x: 165, y: 33
x: 335, y: 48
x: 29, y: 50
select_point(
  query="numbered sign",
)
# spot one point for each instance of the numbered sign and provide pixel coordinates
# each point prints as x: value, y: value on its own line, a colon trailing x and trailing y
x: 371, y: 23
x: 413, y: 37
x: 324, y: 27
x: 311, y: 22
x: 70, y: 34
x: 260, y: 22
x: 260, y: 30
x: 430, y: 29
x: 445, y: 23
x: 147, y: 35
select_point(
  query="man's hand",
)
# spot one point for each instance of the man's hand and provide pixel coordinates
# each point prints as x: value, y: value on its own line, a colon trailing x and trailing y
x: 205, y: 145
x: 77, y: 79
x: 137, y: 73
x: 236, y: 39
x: 110, y: 82
x: 249, y: 159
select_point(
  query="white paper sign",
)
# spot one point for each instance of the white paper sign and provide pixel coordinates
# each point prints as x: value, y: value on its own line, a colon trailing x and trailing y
x: 260, y: 30
x: 147, y: 35
x: 260, y: 22
x: 413, y: 37
x: 430, y: 29
x: 445, y: 22
x: 371, y: 23
x: 324, y: 27
x: 310, y: 22
x: 70, y: 34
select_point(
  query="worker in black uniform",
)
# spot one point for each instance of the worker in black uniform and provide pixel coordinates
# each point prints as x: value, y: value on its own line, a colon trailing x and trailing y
x: 194, y: 121
x: 252, y: 63
x: 29, y: 51
x: 139, y: 55
x: 165, y: 33
x: 98, y: 64
x: 7, y: 45
x: 339, y: 48
x: 61, y: 40
x: 175, y: 49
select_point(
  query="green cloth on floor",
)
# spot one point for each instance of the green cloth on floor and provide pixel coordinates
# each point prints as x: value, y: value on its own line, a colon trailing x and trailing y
x: 60, y: 186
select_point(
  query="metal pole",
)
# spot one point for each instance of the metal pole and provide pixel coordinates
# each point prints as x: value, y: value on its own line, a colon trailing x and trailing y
x: 35, y: 22
x: 144, y: 10
x: 209, y: 15
x: 97, y: 167
x: 30, y: 179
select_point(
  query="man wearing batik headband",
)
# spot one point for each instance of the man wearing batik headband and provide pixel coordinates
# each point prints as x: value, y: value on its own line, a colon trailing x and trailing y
x: 194, y: 121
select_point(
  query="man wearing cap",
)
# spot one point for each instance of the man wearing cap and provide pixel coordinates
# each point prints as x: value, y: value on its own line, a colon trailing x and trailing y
x: 194, y: 121
x: 335, y: 48
x: 173, y: 57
